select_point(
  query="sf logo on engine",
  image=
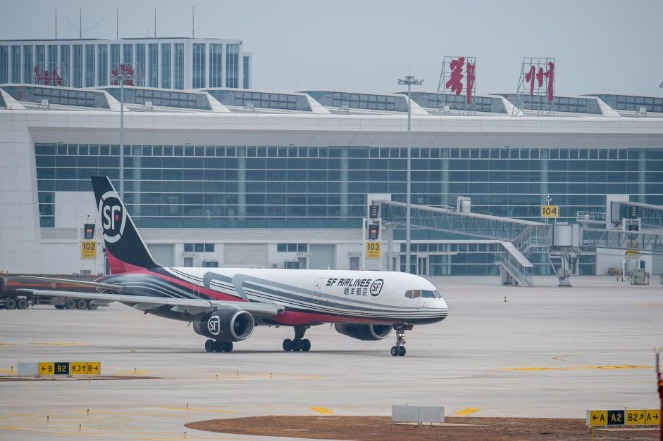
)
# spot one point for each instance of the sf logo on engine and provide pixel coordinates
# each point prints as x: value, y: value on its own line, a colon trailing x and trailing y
x: 214, y: 325
x: 113, y: 217
x: 376, y: 287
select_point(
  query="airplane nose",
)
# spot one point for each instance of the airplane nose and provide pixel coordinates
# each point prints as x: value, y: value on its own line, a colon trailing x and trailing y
x: 441, y: 306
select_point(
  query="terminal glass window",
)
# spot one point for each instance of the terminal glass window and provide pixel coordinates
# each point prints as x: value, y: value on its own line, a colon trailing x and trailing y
x: 40, y: 56
x: 77, y: 71
x: 89, y: 65
x: 215, y: 65
x: 102, y: 64
x: 114, y: 56
x: 199, y: 65
x: 286, y: 186
x: 52, y: 55
x: 28, y: 65
x: 153, y: 55
x: 232, y: 65
x: 179, y: 66
x: 165, y: 66
x: 128, y: 54
x: 65, y: 61
x: 140, y: 63
x: 4, y: 64
x: 246, y: 66
x: 16, y: 64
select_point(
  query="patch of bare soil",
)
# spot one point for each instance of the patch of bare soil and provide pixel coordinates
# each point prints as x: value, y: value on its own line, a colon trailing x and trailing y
x: 374, y: 428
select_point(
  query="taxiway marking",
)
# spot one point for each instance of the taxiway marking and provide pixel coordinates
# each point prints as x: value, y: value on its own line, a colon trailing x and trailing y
x: 466, y: 411
x: 577, y: 368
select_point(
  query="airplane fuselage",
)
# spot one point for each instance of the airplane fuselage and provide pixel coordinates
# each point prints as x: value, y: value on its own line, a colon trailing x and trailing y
x: 309, y: 296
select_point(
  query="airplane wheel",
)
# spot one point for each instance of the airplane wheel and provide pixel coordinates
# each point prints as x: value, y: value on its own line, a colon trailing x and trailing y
x: 227, y: 346
x: 218, y: 346
x: 81, y: 304
x: 10, y: 304
x: 306, y: 345
x: 287, y: 345
x: 22, y: 303
x: 209, y: 345
x: 92, y: 306
x: 401, y: 351
x: 394, y: 351
x: 70, y: 304
x: 296, y: 345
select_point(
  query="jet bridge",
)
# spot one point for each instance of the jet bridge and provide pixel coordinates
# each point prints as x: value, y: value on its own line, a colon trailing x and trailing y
x: 519, y: 237
x: 650, y: 216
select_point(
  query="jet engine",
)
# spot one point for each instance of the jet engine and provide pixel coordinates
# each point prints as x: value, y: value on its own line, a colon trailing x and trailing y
x: 226, y: 326
x: 364, y: 332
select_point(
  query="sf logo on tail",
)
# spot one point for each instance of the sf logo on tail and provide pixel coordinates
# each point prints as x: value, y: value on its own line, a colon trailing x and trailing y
x: 113, y: 217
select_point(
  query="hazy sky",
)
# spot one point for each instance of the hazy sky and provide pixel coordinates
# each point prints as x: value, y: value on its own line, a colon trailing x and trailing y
x: 366, y: 45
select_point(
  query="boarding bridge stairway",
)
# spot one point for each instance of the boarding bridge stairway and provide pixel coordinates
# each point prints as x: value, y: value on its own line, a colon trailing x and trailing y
x: 519, y: 237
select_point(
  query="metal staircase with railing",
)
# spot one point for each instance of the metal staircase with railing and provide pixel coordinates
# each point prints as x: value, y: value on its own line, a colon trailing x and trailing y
x: 519, y: 237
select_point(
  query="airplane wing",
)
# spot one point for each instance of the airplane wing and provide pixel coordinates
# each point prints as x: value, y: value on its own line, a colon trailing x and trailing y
x: 188, y: 306
x: 39, y: 282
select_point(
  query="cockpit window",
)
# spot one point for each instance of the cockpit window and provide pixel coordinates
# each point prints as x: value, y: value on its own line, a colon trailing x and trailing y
x: 413, y: 294
x: 431, y: 294
x: 424, y: 293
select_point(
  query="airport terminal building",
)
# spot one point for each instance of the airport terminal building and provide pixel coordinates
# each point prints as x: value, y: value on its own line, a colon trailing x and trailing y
x: 223, y: 176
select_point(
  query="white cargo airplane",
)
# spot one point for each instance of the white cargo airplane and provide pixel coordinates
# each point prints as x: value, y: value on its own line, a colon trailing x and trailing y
x: 225, y: 304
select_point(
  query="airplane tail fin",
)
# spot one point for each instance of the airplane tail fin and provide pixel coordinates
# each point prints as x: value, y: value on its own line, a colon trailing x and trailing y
x: 125, y: 248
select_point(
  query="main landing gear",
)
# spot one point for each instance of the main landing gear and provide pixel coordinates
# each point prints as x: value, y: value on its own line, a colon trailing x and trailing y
x: 399, y: 349
x: 218, y: 346
x: 299, y: 343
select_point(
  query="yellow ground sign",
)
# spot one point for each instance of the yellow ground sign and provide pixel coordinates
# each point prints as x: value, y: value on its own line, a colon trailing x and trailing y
x: 85, y: 368
x: 373, y: 250
x: 549, y: 210
x: 46, y: 369
x: 635, y: 417
x: 653, y: 417
x: 88, y: 249
x: 628, y: 417
x: 69, y: 368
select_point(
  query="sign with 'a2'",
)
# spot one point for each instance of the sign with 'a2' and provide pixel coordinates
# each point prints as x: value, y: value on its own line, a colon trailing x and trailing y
x: 627, y: 417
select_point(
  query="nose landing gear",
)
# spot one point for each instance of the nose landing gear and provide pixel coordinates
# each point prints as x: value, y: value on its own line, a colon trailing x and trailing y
x: 299, y: 343
x: 399, y: 349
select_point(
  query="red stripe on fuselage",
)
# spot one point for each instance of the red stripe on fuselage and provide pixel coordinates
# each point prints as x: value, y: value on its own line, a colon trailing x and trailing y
x: 120, y: 268
x: 197, y: 289
x: 293, y: 318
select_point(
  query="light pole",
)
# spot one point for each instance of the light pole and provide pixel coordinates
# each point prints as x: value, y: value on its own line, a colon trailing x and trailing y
x: 122, y: 73
x: 409, y: 80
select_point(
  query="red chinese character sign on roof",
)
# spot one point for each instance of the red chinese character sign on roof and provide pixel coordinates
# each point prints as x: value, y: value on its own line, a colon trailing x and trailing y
x: 455, y: 82
x: 536, y: 89
x: 124, y: 73
x: 458, y: 76
x: 46, y: 74
x: 537, y: 77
